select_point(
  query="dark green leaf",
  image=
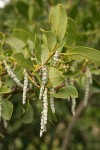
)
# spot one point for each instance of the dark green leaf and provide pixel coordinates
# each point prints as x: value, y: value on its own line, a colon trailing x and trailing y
x: 7, y: 109
x: 28, y: 116
x: 66, y: 92
x: 25, y: 63
x: 71, y: 74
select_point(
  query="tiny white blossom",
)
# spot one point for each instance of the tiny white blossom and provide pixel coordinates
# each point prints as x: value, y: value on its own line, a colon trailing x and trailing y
x: 52, y: 105
x: 25, y: 88
x: 88, y: 82
x: 11, y: 74
x: 44, y: 113
x: 55, y: 58
x: 5, y: 123
x: 44, y: 80
x: 73, y: 106
x: 71, y: 81
x: 41, y: 92
x: 87, y: 88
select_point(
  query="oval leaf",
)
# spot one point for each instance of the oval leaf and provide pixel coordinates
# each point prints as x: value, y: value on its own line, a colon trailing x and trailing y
x: 25, y: 63
x: 71, y: 32
x: 56, y: 77
x: 58, y: 21
x: 49, y: 40
x: 4, y: 90
x: 66, y: 92
x: 81, y: 52
x: 28, y: 116
x: 7, y: 109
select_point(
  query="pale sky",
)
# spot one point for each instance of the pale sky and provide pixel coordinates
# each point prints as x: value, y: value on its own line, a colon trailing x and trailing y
x: 3, y: 2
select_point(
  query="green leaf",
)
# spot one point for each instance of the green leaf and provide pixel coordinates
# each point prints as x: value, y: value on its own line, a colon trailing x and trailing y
x: 71, y: 74
x: 66, y: 92
x: 15, y: 43
x: 25, y: 63
x: 28, y: 116
x: 7, y: 109
x: 44, y: 53
x: 56, y: 77
x: 19, y: 72
x: 18, y: 111
x: 49, y: 40
x: 58, y: 21
x: 4, y: 90
x: 71, y: 32
x: 38, y: 48
x: 80, y: 52
x: 21, y: 34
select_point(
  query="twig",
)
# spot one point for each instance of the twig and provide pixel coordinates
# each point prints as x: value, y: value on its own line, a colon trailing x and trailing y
x: 71, y: 125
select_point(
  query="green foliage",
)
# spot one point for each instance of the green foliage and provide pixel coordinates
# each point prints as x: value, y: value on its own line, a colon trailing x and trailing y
x: 28, y: 41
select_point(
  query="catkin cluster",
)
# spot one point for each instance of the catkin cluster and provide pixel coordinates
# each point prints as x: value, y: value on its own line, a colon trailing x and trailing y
x: 44, y: 98
x: 25, y: 87
x: 70, y: 81
x: 88, y: 82
x: 52, y: 105
x: 11, y: 74
x: 55, y: 58
x: 44, y: 113
x: 44, y: 80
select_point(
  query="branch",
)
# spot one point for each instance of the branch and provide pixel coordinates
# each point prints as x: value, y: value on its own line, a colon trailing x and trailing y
x: 71, y: 125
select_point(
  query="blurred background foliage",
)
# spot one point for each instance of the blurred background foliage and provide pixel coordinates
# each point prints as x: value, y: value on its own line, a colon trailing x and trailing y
x: 31, y: 15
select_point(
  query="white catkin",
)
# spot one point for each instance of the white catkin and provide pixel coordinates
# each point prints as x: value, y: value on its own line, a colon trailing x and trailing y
x: 52, y: 105
x: 5, y: 123
x: 25, y: 88
x: 41, y: 92
x: 71, y: 81
x: 66, y: 84
x: 73, y: 106
x: 89, y: 75
x: 11, y: 74
x: 44, y: 113
x: 87, y: 88
x: 44, y: 80
x: 55, y: 58
x: 88, y: 82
